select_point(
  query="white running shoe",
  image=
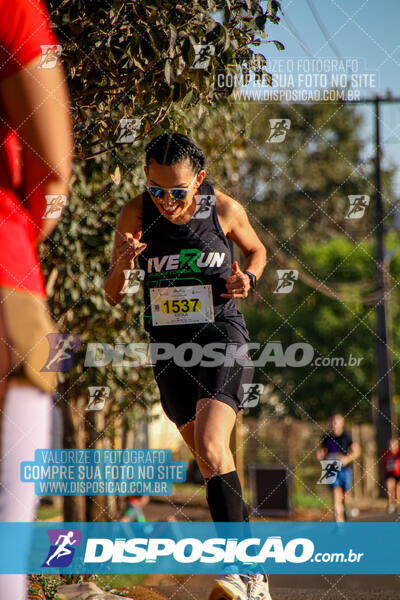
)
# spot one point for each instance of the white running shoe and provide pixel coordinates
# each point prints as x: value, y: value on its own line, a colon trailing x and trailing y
x: 229, y: 587
x: 258, y: 588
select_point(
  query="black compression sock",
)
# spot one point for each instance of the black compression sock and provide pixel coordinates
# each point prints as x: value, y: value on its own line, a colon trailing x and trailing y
x: 224, y: 497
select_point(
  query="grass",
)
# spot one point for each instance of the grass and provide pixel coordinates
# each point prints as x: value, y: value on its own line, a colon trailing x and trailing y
x: 109, y: 582
x: 50, y: 583
x: 309, y: 501
x: 48, y: 512
x: 190, y: 489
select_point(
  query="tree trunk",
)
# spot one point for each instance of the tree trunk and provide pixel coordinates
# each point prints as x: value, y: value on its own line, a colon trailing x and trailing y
x: 74, y: 506
x: 96, y: 506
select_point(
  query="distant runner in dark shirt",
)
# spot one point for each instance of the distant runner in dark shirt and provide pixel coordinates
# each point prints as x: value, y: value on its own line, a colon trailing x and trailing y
x: 338, y: 448
x: 337, y: 444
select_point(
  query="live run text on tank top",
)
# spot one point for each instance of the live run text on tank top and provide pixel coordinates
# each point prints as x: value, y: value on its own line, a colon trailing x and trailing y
x: 195, y: 254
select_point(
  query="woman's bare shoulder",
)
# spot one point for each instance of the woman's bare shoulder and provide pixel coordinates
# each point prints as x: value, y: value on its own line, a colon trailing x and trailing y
x: 130, y: 217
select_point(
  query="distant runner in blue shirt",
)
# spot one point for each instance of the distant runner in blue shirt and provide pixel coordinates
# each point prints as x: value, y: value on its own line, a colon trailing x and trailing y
x: 338, y: 447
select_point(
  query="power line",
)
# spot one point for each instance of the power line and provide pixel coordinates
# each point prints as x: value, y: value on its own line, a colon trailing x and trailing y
x: 296, y: 35
x: 323, y: 29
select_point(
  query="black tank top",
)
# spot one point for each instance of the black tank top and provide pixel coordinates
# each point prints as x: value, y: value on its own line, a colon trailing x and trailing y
x: 193, y: 253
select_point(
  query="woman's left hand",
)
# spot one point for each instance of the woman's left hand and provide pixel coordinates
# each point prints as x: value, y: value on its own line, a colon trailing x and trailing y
x: 237, y: 284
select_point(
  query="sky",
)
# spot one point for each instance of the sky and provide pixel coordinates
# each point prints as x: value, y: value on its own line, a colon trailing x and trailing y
x: 363, y: 29
x: 365, y: 32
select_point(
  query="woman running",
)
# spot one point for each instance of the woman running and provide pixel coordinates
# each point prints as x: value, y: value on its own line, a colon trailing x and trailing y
x: 36, y: 149
x: 181, y: 231
x: 391, y: 465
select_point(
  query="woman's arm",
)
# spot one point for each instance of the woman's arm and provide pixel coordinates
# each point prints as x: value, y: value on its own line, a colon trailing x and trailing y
x: 237, y: 227
x: 127, y: 247
x: 36, y: 103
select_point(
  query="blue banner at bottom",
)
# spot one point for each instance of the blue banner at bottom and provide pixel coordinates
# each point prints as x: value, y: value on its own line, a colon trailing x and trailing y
x: 186, y: 548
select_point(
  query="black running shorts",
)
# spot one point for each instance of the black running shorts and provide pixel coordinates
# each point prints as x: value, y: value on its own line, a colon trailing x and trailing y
x: 182, y: 385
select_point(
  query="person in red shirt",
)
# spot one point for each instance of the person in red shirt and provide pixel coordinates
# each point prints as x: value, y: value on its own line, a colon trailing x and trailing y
x: 35, y: 156
x: 391, y: 462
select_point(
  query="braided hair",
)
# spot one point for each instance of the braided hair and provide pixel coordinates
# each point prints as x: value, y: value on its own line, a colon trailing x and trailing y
x: 171, y: 148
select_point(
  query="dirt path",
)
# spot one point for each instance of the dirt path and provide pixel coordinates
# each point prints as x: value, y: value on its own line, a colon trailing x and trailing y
x: 292, y: 587
x: 287, y: 587
x: 283, y: 587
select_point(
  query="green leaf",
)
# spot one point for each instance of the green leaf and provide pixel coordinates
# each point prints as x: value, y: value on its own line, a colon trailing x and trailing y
x: 116, y: 176
x: 186, y: 46
x: 227, y: 40
x: 260, y: 58
x: 279, y: 45
x: 260, y: 21
x: 157, y: 38
x: 169, y: 72
x: 173, y: 35
x: 273, y: 7
x: 188, y: 98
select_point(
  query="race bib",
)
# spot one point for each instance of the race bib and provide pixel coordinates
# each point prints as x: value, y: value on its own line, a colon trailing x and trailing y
x: 182, y: 305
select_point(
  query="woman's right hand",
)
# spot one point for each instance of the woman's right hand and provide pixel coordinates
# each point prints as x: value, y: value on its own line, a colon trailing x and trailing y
x: 128, y: 248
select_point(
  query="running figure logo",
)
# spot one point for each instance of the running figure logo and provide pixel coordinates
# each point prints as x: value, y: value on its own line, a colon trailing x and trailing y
x: 61, y: 552
x: 204, y: 204
x: 97, y: 397
x: 133, y: 277
x: 54, y: 205
x: 127, y: 130
x: 252, y: 393
x: 202, y: 57
x: 62, y: 352
x: 50, y: 55
x: 358, y: 204
x: 286, y: 280
x: 279, y: 129
x: 330, y: 470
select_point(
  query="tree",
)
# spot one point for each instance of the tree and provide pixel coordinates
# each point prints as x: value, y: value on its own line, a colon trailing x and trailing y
x: 342, y: 332
x: 297, y: 195
x: 136, y: 59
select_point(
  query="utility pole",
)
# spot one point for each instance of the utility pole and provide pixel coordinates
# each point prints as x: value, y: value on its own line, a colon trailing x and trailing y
x: 385, y: 417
